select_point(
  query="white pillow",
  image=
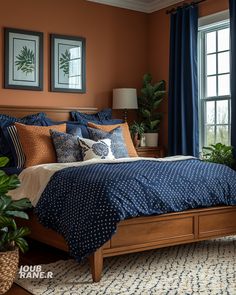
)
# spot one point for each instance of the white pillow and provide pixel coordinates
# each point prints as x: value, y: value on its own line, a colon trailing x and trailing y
x: 100, y: 149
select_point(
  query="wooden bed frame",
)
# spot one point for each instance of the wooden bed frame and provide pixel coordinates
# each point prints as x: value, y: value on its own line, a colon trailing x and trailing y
x: 141, y: 233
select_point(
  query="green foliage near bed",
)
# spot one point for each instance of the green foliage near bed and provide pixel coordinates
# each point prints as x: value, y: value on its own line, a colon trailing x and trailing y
x: 219, y: 153
x: 149, y: 101
x: 10, y: 235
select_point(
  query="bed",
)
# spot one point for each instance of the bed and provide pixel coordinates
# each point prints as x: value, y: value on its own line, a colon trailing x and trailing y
x: 139, y: 233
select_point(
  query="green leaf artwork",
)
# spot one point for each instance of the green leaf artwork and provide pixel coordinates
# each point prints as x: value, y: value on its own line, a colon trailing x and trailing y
x: 64, y: 62
x: 25, y: 61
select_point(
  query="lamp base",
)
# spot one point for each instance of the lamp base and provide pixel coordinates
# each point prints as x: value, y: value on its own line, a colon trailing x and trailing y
x: 125, y: 115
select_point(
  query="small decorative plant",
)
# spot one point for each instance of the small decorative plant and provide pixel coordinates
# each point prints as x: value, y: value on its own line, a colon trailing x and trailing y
x: 137, y: 128
x: 137, y: 131
x: 10, y: 235
x: 149, y: 101
x: 219, y: 153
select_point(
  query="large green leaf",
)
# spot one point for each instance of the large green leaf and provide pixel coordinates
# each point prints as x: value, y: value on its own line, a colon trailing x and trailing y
x: 160, y: 86
x: 146, y: 113
x: 147, y: 79
x: 7, y: 222
x: 19, y: 214
x: 154, y: 124
x: 8, y: 183
x: 5, y: 201
x: 22, y: 244
x: 157, y: 103
x: 21, y: 204
x: 3, y: 161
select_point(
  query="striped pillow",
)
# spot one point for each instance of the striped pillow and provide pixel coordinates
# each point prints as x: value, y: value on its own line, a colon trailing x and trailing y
x: 12, y: 138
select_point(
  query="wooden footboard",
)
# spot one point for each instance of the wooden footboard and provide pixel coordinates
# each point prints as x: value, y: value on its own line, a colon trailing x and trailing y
x: 151, y: 232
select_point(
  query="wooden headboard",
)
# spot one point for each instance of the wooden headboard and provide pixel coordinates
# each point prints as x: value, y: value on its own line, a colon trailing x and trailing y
x: 54, y: 113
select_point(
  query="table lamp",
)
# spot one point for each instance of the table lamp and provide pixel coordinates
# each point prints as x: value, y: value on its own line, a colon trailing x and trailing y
x: 124, y: 99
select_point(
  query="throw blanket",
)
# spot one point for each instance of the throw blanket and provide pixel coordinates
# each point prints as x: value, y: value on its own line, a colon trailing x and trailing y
x: 85, y: 203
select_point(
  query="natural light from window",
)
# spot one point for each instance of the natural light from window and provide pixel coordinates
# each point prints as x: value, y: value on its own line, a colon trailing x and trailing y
x: 214, y: 73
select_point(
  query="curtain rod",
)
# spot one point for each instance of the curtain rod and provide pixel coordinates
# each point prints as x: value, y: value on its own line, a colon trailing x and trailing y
x: 184, y: 5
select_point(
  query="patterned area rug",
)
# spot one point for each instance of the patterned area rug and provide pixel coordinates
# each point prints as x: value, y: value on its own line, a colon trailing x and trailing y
x: 201, y: 268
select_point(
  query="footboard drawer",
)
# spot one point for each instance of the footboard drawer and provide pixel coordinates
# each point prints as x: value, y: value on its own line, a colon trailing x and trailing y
x: 157, y: 232
x: 219, y: 223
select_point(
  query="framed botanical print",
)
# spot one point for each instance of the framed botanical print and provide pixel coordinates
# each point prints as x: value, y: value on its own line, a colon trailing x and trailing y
x: 67, y: 63
x: 23, y: 59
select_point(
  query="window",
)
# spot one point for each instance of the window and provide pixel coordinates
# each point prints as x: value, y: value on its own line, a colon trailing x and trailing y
x: 214, y: 82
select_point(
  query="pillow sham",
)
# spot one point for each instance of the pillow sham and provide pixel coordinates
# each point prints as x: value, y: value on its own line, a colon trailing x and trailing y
x: 118, y: 146
x: 5, y: 121
x: 126, y: 134
x: 96, y: 149
x: 66, y: 146
x: 104, y: 114
x: 37, y: 143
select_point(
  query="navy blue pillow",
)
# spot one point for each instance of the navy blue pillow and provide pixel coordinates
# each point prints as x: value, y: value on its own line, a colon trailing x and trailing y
x: 105, y: 114
x: 70, y: 126
x: 5, y: 121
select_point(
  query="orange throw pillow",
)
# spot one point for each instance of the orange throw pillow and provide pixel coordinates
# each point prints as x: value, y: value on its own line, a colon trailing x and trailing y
x: 125, y: 130
x: 37, y: 143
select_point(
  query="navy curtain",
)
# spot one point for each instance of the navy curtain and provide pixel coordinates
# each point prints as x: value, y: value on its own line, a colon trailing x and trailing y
x: 183, y: 129
x: 232, y: 9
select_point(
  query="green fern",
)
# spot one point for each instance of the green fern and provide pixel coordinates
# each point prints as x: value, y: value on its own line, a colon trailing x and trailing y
x: 10, y: 235
x: 25, y: 61
x: 65, y: 62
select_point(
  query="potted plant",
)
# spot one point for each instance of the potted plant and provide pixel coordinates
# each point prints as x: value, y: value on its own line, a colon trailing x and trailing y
x: 11, y: 237
x: 149, y: 101
x: 137, y: 131
x: 219, y: 153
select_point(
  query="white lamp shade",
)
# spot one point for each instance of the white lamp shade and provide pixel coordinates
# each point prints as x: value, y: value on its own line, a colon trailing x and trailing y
x: 125, y: 98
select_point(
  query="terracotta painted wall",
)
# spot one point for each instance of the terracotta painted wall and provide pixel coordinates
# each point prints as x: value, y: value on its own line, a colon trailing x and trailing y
x: 116, y: 53
x: 158, y: 49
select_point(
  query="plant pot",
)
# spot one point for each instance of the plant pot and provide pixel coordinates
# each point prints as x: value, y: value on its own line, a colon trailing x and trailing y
x: 136, y: 141
x: 151, y: 139
x: 8, y: 265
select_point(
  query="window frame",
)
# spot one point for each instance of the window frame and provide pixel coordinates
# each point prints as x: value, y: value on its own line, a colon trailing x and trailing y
x: 203, y: 99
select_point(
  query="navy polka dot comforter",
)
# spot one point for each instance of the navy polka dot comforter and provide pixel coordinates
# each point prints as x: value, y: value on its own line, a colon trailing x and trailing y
x: 85, y: 203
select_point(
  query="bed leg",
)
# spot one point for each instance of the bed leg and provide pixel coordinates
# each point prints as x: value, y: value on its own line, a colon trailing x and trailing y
x: 96, y: 265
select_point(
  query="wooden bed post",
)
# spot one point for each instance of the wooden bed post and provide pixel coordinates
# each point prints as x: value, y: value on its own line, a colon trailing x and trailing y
x: 96, y: 265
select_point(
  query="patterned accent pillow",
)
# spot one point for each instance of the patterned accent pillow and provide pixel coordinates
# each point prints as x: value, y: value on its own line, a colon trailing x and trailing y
x: 118, y: 146
x: 96, y: 149
x: 37, y: 143
x: 66, y: 146
x: 125, y: 130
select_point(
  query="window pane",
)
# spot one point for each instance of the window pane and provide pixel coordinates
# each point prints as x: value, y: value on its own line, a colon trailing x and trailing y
x: 223, y: 39
x: 223, y: 62
x: 211, y: 42
x: 210, y: 112
x: 223, y: 84
x: 222, y: 134
x: 211, y: 64
x: 222, y: 112
x: 210, y: 135
x: 211, y: 86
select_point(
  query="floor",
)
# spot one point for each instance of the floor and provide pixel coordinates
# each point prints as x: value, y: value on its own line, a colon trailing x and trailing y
x: 38, y: 254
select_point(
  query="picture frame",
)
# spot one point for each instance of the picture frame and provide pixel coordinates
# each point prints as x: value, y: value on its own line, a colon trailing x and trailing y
x: 68, y: 63
x: 23, y: 58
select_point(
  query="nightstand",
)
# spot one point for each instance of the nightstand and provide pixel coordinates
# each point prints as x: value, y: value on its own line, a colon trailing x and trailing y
x: 151, y: 152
